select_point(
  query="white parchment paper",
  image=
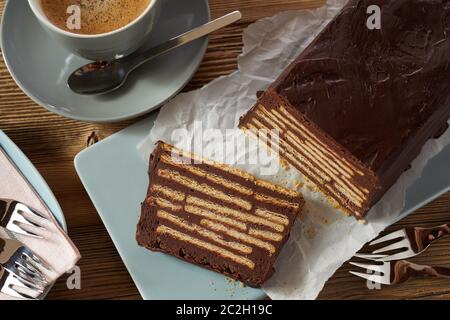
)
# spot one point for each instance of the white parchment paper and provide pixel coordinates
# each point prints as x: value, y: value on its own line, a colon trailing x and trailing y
x: 324, y: 238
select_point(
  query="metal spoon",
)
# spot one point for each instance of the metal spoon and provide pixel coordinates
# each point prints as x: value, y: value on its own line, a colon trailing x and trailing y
x: 106, y: 76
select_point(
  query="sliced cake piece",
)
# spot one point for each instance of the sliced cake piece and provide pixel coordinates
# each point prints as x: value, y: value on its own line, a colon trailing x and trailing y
x: 215, y: 216
x: 357, y: 106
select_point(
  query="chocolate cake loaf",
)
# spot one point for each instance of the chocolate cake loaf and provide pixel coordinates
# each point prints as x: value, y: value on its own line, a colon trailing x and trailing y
x: 215, y: 216
x: 357, y: 106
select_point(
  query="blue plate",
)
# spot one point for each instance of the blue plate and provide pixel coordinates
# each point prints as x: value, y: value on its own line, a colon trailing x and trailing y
x: 33, y: 177
x: 115, y: 176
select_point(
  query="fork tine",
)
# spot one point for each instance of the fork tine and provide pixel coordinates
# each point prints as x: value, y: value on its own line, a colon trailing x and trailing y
x: 23, y: 295
x: 28, y: 284
x: 398, y: 256
x: 31, y: 270
x: 31, y: 265
x: 31, y: 229
x: 22, y: 207
x: 30, y: 275
x: 30, y: 256
x: 37, y: 213
x: 397, y: 245
x: 370, y: 277
x: 26, y: 216
x: 24, y: 272
x: 390, y: 236
x: 26, y: 292
x: 33, y: 217
x: 373, y: 267
x: 370, y: 256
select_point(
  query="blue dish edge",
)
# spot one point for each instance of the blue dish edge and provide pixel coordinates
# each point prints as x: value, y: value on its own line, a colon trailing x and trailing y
x: 34, y: 177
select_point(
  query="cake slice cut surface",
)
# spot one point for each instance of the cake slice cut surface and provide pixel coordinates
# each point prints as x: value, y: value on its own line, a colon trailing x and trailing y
x: 215, y: 216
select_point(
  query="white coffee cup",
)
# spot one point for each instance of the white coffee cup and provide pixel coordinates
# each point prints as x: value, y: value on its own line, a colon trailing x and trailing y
x: 104, y: 46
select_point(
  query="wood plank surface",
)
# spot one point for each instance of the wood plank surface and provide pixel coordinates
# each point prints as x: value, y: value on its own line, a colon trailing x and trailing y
x: 51, y: 142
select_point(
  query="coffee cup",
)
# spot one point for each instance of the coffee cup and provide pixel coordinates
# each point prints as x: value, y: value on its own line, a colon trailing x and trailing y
x: 101, y: 46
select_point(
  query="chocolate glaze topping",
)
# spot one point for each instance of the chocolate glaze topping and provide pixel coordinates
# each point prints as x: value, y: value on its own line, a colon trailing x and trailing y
x: 403, y: 270
x: 374, y: 91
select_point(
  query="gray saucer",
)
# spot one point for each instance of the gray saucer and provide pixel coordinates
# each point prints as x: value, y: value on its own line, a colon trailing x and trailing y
x: 40, y: 66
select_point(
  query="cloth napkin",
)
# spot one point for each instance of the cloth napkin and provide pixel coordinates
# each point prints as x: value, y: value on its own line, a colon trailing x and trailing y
x: 55, y: 249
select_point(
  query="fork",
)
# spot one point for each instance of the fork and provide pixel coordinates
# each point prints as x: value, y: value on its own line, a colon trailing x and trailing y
x: 18, y: 259
x: 17, y: 287
x: 395, y: 272
x: 409, y: 241
x: 19, y: 218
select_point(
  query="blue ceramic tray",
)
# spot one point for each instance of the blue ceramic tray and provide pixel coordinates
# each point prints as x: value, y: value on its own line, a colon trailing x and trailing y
x: 115, y: 176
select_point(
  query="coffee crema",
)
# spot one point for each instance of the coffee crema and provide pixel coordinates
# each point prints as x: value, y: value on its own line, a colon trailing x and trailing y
x: 97, y: 16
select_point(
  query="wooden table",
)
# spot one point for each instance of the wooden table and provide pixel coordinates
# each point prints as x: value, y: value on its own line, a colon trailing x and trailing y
x: 51, y: 142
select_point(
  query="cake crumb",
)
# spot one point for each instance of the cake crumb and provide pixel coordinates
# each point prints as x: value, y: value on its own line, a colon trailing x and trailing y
x: 333, y: 203
x: 284, y: 164
x: 298, y: 184
x: 324, y: 221
x: 230, y: 290
x: 233, y: 284
x: 310, y: 232
x: 363, y: 221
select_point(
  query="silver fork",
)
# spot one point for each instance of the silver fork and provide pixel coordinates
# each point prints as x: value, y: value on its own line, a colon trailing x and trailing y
x: 18, y: 259
x: 17, y: 287
x: 409, y: 242
x: 19, y: 218
x: 395, y: 272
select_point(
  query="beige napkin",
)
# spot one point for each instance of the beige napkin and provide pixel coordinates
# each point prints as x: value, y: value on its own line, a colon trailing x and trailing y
x: 56, y: 249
